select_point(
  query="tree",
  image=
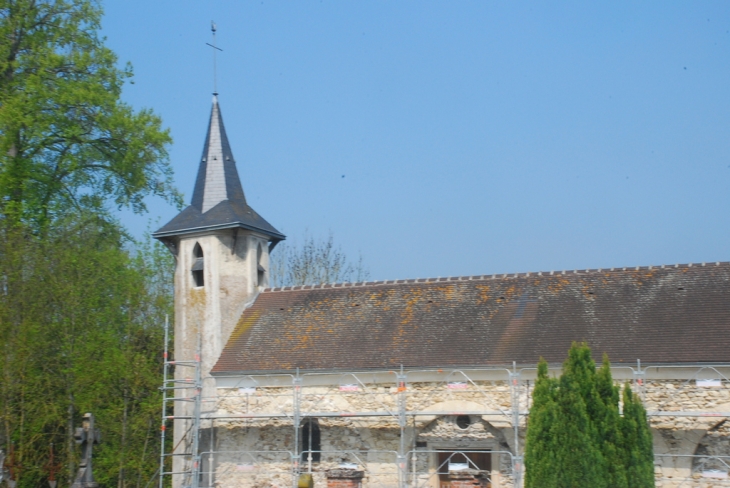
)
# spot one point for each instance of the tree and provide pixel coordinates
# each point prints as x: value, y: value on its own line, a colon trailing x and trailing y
x: 80, y: 304
x: 80, y: 331
x: 638, y: 457
x: 67, y: 141
x: 314, y: 263
x: 576, y: 436
x: 609, y: 429
x: 541, y: 444
x: 580, y: 400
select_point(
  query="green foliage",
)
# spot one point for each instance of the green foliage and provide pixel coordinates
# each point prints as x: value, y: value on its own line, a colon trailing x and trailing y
x: 609, y: 428
x: 80, y: 331
x: 578, y: 459
x: 638, y: 457
x: 80, y: 305
x: 541, y: 450
x: 576, y: 436
x: 66, y: 139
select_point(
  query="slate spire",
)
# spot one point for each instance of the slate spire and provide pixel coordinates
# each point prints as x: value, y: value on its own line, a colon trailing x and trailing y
x: 218, y: 201
x: 217, y: 175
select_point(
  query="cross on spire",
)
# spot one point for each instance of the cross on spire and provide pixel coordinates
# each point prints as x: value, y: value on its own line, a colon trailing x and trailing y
x: 213, y: 29
x: 218, y: 201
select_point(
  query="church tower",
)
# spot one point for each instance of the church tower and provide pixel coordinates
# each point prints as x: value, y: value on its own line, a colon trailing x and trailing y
x: 221, y: 246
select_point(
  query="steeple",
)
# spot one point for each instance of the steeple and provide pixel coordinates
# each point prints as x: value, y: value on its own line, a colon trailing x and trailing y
x: 222, y: 249
x: 217, y: 175
x: 218, y: 200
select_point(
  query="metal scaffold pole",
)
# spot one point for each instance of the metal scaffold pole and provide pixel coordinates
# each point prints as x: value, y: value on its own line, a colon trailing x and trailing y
x: 418, y: 394
x: 195, y: 428
x: 297, y: 421
x: 515, y: 394
x: 639, y: 376
x: 189, y: 441
x: 402, y: 464
x: 163, y: 426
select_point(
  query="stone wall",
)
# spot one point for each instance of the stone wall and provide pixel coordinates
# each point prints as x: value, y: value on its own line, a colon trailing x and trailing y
x: 259, y: 451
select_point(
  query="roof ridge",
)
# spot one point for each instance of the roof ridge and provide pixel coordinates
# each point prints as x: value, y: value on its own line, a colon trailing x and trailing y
x: 440, y: 279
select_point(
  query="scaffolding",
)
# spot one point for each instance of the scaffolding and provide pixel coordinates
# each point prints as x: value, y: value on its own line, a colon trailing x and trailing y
x: 497, y: 395
x: 186, y: 448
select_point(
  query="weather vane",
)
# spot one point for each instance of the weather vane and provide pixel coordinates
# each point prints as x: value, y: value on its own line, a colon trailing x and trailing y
x: 215, y: 48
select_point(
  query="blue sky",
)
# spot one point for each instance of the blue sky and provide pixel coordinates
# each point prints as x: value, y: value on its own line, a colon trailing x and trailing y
x: 455, y: 138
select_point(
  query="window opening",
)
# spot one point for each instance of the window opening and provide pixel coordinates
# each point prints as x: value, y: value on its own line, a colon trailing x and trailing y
x: 463, y: 421
x: 260, y: 271
x: 198, y: 266
x: 461, y: 460
x: 311, y: 442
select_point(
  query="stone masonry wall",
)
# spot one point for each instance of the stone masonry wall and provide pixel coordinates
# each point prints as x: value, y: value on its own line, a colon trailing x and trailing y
x: 258, y: 452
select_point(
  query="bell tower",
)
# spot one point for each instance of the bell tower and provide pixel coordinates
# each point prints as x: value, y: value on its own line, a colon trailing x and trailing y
x: 222, y: 247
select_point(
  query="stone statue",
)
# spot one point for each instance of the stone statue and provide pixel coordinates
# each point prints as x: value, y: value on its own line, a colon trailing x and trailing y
x: 86, y: 436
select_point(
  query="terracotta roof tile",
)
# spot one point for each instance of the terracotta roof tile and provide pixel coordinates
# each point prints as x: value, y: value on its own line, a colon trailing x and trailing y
x: 657, y: 314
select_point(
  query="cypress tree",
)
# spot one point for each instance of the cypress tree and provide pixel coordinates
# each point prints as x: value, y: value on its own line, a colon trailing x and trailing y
x: 576, y: 436
x: 608, y: 424
x: 637, y: 447
x: 582, y: 458
x: 541, y: 448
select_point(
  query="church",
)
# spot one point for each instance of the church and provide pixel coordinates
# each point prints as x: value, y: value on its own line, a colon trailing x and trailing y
x: 416, y: 383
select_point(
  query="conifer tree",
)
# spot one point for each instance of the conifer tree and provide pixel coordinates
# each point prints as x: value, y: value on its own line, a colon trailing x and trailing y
x: 608, y: 424
x: 637, y: 447
x: 541, y: 447
x: 580, y: 459
x: 575, y: 435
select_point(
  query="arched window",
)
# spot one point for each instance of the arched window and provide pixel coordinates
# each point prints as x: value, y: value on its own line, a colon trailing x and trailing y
x: 260, y: 270
x: 311, y: 442
x: 198, y: 266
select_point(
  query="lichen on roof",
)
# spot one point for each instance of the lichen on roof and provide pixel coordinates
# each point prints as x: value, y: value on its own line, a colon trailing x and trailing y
x: 669, y: 314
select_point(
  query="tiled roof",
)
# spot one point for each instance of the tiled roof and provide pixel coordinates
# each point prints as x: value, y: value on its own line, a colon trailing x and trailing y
x: 218, y: 199
x: 666, y: 314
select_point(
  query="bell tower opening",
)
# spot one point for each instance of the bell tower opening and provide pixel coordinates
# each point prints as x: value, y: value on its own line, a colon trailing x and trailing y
x: 198, y: 266
x: 260, y: 270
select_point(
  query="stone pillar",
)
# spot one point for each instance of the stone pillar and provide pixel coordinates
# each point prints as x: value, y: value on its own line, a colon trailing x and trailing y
x: 344, y: 478
x: 468, y: 478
